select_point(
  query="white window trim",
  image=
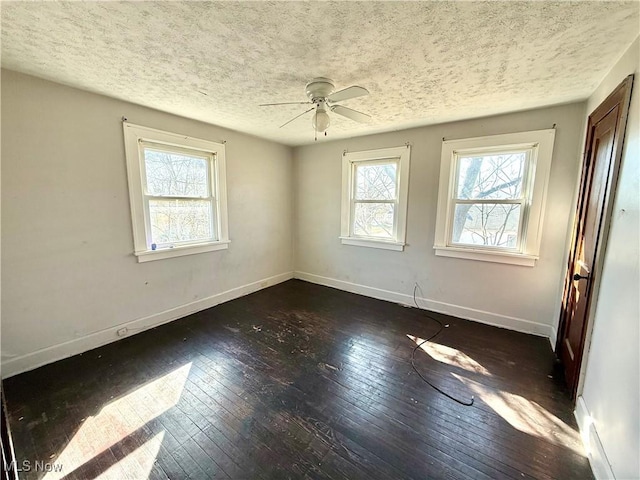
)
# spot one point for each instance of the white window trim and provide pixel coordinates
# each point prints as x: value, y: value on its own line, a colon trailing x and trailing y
x: 402, y: 156
x: 133, y: 135
x: 528, y: 251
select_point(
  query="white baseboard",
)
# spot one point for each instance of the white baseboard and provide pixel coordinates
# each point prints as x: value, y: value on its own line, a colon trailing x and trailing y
x: 489, y: 318
x: 53, y: 353
x: 553, y: 338
x: 595, y: 451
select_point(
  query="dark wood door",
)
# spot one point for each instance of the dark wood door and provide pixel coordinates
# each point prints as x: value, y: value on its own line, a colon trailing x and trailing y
x: 605, y: 133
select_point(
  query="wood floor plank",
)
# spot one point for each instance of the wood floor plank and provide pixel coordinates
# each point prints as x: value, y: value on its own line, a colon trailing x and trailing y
x: 302, y: 381
x: 512, y: 472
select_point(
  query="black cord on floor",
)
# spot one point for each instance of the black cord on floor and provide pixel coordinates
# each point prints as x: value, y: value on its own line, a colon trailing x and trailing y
x: 413, y: 355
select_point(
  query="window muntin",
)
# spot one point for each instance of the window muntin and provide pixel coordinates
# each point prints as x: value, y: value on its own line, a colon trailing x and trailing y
x: 177, y: 190
x: 374, y: 197
x: 490, y: 199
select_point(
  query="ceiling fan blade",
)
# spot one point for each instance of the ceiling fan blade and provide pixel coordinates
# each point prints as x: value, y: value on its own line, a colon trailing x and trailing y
x: 350, y: 113
x: 284, y: 103
x: 347, y: 93
x: 297, y: 116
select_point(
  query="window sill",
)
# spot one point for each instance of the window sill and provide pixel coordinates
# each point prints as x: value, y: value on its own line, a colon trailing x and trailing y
x: 485, y: 256
x: 151, y: 255
x: 365, y: 242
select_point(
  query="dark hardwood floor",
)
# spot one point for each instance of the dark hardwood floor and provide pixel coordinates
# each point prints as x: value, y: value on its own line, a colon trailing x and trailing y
x: 300, y: 381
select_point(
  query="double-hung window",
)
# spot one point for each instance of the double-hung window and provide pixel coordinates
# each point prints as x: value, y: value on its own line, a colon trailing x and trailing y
x: 374, y: 197
x: 491, y: 198
x: 177, y: 193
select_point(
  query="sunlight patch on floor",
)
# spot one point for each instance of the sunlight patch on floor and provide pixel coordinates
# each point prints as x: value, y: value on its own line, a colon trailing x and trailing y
x: 137, y: 464
x: 527, y: 416
x: 450, y: 356
x: 121, y: 418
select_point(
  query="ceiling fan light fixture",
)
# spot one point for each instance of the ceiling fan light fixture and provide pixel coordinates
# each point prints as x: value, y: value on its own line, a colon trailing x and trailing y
x: 320, y: 120
x: 322, y: 98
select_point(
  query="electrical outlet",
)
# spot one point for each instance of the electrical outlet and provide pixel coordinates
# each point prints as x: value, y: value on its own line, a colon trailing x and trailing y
x: 122, y: 332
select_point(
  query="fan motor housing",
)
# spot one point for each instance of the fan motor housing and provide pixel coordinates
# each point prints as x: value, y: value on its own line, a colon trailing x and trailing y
x: 319, y: 88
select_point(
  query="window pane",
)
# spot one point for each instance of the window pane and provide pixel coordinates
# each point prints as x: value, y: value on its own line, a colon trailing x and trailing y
x: 376, y: 182
x: 374, y: 219
x: 494, y: 176
x: 180, y: 220
x: 176, y: 174
x: 487, y: 224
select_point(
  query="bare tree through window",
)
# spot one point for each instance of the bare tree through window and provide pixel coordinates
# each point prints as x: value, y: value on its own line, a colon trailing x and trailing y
x: 375, y: 199
x: 489, y: 197
x: 179, y: 196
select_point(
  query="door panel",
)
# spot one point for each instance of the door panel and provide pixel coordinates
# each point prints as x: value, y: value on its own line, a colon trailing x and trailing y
x: 589, y: 224
x: 603, y: 148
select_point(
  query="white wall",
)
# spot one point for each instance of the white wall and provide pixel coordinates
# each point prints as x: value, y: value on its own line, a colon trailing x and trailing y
x: 611, y: 389
x: 68, y: 273
x: 522, y: 298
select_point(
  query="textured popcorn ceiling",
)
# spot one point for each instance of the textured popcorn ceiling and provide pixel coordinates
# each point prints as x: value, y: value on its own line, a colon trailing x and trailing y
x: 423, y: 62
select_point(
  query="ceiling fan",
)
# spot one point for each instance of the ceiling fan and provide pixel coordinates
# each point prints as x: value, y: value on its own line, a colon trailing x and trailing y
x: 322, y: 96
